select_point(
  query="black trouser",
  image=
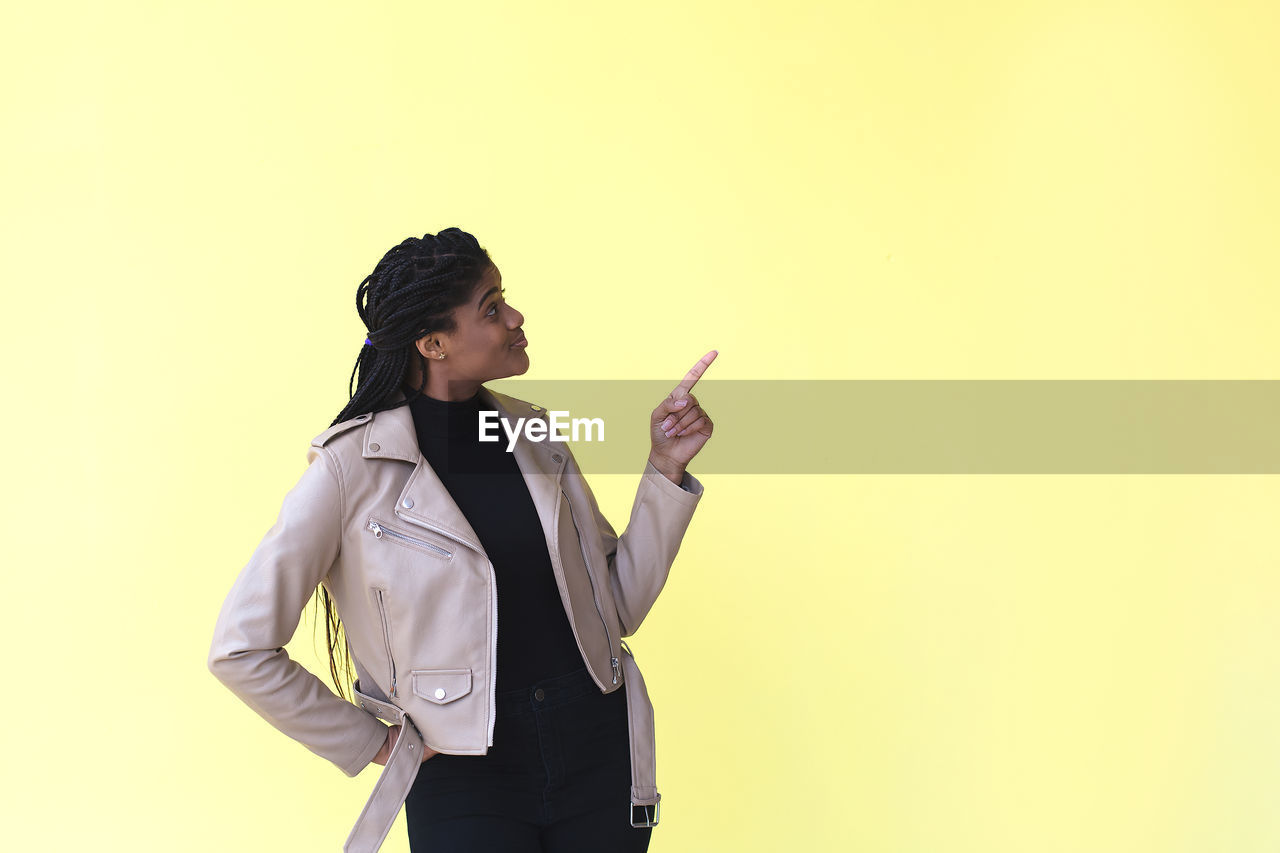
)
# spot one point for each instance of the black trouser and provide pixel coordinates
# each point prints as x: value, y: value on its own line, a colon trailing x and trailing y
x: 557, y: 778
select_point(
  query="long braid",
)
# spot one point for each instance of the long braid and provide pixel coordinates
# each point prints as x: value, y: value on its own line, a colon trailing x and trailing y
x: 411, y: 292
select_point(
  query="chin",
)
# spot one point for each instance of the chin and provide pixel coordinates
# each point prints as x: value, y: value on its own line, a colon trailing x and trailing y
x: 523, y: 368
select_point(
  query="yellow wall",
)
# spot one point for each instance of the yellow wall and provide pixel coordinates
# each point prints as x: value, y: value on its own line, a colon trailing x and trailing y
x: 907, y: 664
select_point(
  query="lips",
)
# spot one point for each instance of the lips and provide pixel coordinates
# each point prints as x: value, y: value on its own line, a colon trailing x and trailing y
x: 523, y: 342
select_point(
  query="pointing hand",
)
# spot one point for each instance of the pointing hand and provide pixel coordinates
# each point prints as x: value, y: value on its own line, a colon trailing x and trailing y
x: 679, y: 427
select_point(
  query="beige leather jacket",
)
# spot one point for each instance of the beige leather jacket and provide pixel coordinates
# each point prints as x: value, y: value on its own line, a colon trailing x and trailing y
x: 416, y: 593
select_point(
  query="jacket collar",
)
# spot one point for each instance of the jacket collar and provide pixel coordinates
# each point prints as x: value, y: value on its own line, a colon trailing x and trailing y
x: 424, y: 500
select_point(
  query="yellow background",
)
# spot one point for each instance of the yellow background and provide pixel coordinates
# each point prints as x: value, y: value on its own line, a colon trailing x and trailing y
x: 917, y: 189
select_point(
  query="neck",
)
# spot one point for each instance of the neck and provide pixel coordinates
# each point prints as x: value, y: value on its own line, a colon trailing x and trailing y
x: 441, y: 388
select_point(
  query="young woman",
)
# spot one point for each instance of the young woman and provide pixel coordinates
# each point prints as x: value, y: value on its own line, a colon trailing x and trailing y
x: 423, y: 539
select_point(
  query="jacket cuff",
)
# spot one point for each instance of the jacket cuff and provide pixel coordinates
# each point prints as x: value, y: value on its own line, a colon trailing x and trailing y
x: 365, y: 757
x: 689, y: 492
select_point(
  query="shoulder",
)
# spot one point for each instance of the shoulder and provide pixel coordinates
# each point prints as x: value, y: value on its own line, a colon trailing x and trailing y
x: 326, y: 437
x: 522, y: 408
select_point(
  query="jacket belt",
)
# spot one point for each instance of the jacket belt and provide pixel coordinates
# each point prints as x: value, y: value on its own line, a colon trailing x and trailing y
x: 392, y: 788
x: 644, y: 754
x: 393, y: 785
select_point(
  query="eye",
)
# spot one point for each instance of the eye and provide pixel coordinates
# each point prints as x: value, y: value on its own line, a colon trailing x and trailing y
x: 493, y: 311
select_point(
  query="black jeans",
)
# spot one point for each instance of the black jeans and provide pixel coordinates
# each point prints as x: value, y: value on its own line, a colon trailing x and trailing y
x: 557, y: 778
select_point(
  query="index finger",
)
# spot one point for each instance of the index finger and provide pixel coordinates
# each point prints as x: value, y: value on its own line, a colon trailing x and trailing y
x: 694, y: 374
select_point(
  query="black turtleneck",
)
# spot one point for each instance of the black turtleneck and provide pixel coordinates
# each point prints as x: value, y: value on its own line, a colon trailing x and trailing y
x: 535, y: 640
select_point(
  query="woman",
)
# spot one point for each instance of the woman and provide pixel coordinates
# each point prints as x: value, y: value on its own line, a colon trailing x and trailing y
x: 423, y: 539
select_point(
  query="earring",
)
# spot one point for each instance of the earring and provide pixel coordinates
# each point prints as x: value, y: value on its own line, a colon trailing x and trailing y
x: 441, y: 355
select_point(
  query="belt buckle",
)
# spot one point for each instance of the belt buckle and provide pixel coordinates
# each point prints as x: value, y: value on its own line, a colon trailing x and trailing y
x: 645, y: 821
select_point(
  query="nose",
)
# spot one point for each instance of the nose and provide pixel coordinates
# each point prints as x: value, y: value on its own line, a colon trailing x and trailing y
x: 516, y: 319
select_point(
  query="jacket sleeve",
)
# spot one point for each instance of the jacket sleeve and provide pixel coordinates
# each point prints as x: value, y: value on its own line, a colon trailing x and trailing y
x: 641, y: 558
x: 261, y: 613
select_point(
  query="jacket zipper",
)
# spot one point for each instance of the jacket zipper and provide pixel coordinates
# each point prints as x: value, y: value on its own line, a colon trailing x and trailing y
x: 493, y: 653
x: 613, y: 661
x: 493, y: 612
x: 386, y: 636
x: 379, y: 531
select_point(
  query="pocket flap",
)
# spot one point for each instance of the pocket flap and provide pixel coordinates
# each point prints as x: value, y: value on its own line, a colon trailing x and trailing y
x: 441, y: 685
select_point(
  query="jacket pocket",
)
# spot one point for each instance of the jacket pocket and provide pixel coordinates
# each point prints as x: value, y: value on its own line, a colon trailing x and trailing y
x: 441, y: 686
x: 379, y: 597
x: 381, y: 530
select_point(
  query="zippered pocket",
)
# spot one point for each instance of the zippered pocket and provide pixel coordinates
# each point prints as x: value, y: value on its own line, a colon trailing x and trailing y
x: 380, y: 530
x: 380, y: 596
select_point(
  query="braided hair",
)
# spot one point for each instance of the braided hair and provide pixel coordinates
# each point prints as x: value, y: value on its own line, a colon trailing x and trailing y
x: 412, y: 292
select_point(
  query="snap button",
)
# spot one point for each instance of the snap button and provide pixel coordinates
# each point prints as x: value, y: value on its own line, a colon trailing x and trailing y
x: 555, y: 457
x: 535, y: 408
x: 411, y: 746
x: 375, y: 446
x: 408, y: 501
x: 538, y: 694
x: 439, y: 692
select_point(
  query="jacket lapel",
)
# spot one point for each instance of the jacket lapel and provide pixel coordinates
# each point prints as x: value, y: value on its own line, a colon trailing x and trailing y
x: 424, y: 500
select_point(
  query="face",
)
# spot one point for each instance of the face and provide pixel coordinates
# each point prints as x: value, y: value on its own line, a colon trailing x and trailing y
x: 481, y: 347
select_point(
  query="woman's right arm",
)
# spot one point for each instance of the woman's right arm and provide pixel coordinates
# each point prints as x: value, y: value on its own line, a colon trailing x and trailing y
x: 261, y: 613
x: 393, y: 734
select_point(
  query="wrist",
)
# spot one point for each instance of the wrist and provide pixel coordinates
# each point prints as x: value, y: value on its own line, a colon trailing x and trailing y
x: 671, y: 470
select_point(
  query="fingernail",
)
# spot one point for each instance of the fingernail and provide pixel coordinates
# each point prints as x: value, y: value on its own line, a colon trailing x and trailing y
x: 668, y: 433
x: 680, y: 403
x: 666, y: 423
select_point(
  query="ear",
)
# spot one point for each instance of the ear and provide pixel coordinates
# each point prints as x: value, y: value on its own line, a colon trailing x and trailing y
x: 429, y: 346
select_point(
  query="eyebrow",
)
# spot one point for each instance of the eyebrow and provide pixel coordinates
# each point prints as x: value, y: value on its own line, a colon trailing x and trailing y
x: 487, y: 294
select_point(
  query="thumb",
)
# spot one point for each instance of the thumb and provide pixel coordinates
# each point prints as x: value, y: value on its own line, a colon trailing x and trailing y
x: 667, y: 406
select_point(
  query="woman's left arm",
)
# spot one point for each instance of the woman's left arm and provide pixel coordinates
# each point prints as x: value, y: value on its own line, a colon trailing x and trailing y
x: 641, y: 558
